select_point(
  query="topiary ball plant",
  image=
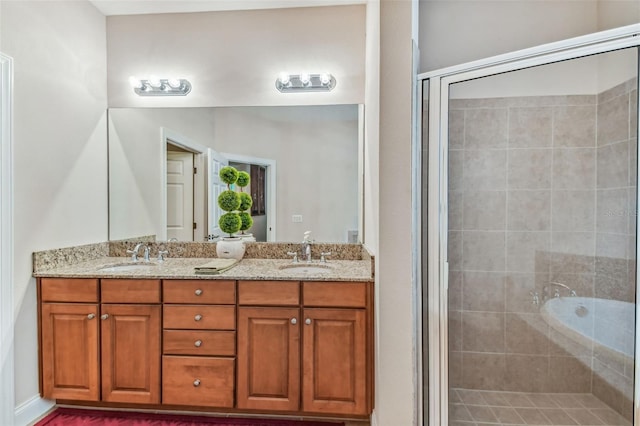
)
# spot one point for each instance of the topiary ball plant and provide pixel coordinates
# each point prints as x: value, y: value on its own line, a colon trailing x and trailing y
x: 245, y: 201
x: 243, y: 179
x: 229, y: 200
x: 234, y: 203
x: 246, y: 221
x: 229, y: 175
x: 230, y: 223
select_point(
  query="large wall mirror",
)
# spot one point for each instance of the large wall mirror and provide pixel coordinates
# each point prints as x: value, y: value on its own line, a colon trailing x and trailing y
x: 305, y: 163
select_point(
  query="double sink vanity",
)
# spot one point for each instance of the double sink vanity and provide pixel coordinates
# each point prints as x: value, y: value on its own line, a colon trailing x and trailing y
x: 266, y: 336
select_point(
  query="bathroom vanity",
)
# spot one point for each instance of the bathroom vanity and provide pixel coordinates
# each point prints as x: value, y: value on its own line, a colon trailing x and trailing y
x: 259, y: 338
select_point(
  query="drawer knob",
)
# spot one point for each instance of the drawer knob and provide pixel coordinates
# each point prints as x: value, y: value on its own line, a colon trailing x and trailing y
x: 198, y: 292
x: 104, y: 316
x: 91, y: 316
x: 198, y: 343
x: 307, y: 321
x: 294, y: 321
x: 196, y: 383
x: 197, y: 317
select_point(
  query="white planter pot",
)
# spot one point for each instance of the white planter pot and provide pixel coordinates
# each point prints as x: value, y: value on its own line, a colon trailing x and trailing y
x: 230, y: 248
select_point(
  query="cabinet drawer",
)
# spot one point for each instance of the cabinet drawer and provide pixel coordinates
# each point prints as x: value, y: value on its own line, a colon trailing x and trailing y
x: 187, y: 342
x: 69, y: 290
x: 269, y: 293
x: 202, y: 381
x: 335, y: 294
x: 199, y: 291
x: 199, y: 317
x: 130, y: 291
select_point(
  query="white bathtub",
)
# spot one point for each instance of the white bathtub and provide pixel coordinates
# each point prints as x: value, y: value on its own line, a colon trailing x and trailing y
x: 606, y: 326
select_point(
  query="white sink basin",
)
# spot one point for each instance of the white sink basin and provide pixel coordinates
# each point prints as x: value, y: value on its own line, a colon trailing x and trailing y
x: 303, y: 268
x: 128, y: 267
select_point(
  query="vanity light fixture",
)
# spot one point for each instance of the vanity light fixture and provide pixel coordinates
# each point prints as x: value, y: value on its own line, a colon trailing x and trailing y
x: 154, y: 86
x: 305, y: 82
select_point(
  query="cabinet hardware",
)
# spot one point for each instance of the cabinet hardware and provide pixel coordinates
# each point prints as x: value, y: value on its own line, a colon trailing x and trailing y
x: 197, y: 317
x: 307, y: 321
x: 294, y: 321
x: 91, y: 316
x: 198, y: 292
x: 196, y: 383
x: 198, y: 343
x: 104, y: 316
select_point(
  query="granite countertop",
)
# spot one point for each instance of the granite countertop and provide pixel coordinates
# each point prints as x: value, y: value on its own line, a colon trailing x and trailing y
x: 183, y: 268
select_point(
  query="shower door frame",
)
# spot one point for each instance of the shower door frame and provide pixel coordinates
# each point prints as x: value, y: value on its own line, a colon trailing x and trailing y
x: 434, y: 410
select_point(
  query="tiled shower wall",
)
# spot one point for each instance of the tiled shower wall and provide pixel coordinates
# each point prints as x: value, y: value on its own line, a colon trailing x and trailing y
x: 539, y: 190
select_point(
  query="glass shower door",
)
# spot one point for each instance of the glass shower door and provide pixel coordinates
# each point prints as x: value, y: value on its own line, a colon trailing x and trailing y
x: 541, y: 244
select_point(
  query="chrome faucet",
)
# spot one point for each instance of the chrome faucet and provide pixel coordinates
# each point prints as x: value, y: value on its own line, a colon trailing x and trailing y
x: 306, y: 246
x: 571, y: 292
x: 136, y: 249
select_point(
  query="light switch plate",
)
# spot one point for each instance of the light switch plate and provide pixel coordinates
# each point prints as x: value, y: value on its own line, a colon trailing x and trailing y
x: 296, y: 218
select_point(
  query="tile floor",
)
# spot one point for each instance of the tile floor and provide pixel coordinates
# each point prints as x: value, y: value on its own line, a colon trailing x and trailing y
x: 475, y: 407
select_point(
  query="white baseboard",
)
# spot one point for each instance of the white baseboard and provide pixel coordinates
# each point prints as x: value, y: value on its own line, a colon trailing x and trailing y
x: 32, y: 410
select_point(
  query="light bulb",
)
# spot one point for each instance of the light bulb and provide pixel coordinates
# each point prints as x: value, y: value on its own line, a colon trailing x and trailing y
x: 154, y: 81
x: 135, y: 82
x: 305, y: 78
x: 174, y: 83
x: 284, y: 78
x: 325, y: 78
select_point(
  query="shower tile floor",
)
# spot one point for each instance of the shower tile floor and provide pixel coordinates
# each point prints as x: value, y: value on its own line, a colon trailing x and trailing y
x: 477, y: 407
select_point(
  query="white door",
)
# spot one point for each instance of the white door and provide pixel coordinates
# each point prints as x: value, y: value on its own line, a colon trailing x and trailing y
x: 180, y: 195
x: 216, y: 186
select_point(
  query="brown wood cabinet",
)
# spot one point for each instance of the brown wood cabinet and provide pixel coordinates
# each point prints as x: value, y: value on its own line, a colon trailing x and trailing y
x: 334, y: 378
x: 272, y: 346
x: 269, y: 358
x: 101, y: 352
x: 198, y: 361
x: 298, y: 358
x: 70, y: 351
x: 131, y: 353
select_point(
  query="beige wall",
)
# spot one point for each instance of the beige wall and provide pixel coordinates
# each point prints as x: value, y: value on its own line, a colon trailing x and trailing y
x: 395, y: 313
x: 455, y: 32
x: 315, y: 149
x: 617, y: 13
x: 233, y: 58
x: 60, y: 172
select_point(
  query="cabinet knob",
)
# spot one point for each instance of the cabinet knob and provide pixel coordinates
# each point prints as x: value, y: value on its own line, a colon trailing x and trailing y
x: 104, y: 316
x: 198, y: 292
x: 198, y: 343
x: 307, y: 321
x: 91, y: 316
x: 197, y: 317
x: 294, y: 321
x: 196, y: 383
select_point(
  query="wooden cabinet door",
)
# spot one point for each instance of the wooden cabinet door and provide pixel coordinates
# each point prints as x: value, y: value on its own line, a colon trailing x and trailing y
x: 70, y: 355
x: 131, y: 356
x: 268, y: 358
x: 334, y: 361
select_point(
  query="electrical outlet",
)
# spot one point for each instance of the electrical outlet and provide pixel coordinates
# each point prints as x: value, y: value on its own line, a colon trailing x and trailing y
x: 296, y: 218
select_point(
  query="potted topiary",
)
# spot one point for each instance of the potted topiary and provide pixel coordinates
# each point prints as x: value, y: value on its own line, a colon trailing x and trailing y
x: 246, y: 222
x: 232, y: 202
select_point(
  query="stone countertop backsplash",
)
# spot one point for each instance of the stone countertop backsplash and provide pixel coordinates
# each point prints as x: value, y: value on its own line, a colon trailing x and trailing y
x: 262, y: 261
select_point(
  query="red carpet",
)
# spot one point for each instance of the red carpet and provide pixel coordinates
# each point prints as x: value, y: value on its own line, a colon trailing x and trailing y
x: 80, y: 417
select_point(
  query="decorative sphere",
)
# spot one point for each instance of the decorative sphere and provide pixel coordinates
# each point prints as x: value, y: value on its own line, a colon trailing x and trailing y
x: 228, y: 175
x: 243, y: 179
x: 245, y: 201
x: 229, y: 200
x: 247, y: 221
x: 230, y: 223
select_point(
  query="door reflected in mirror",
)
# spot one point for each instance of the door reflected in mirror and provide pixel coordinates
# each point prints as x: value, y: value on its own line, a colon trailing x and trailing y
x: 305, y: 162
